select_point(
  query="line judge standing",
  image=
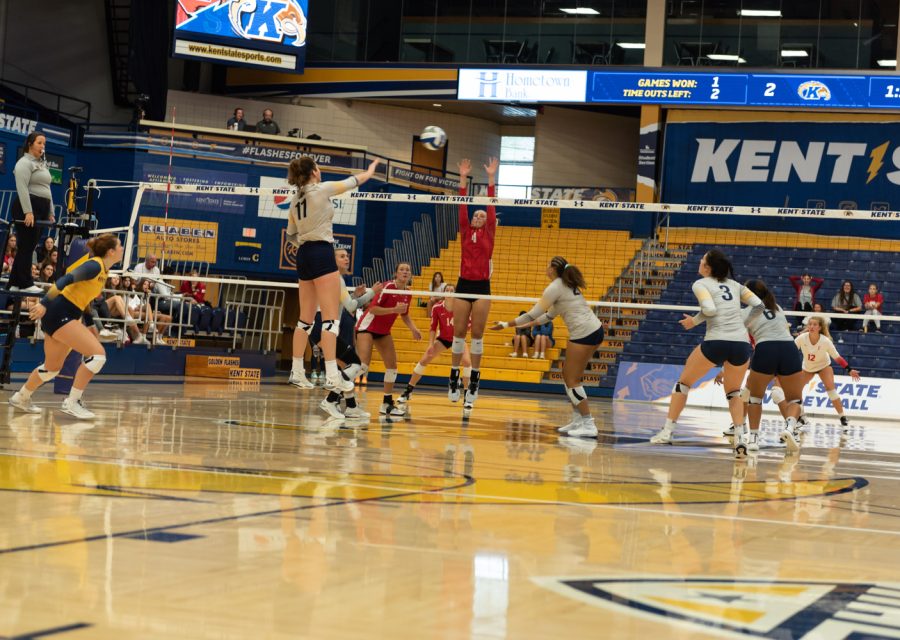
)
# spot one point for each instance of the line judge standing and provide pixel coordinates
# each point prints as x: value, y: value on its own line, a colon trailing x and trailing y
x: 33, y: 203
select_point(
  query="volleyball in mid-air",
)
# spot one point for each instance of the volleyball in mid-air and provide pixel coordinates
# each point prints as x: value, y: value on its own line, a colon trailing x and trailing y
x: 433, y: 137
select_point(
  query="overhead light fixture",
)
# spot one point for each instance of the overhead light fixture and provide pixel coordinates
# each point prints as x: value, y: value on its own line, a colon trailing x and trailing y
x: 887, y: 63
x: 631, y: 45
x: 436, y: 104
x: 582, y: 11
x: 794, y: 53
x: 760, y: 13
x: 725, y: 57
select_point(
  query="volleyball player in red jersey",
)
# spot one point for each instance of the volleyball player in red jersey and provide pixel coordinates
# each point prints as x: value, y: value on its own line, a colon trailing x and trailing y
x: 477, y: 243
x: 441, y: 339
x: 374, y: 329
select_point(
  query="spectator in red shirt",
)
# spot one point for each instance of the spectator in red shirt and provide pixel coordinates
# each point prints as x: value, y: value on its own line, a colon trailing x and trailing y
x: 374, y: 329
x: 873, y: 301
x: 193, y: 291
x: 806, y: 287
x: 440, y: 339
x: 477, y: 243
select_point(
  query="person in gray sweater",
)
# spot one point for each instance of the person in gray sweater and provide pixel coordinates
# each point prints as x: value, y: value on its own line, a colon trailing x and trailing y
x: 33, y: 203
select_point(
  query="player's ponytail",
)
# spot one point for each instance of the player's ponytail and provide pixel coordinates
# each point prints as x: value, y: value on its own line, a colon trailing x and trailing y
x: 568, y: 273
x: 101, y: 245
x: 300, y: 171
x: 719, y: 265
x: 763, y: 292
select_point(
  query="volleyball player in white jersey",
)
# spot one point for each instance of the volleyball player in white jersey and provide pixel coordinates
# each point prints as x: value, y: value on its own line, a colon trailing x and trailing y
x: 726, y: 343
x: 818, y: 352
x: 310, y: 229
x: 774, y: 356
x: 563, y: 297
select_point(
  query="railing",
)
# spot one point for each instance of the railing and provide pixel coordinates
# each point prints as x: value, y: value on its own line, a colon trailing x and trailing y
x: 82, y: 108
x: 261, y: 328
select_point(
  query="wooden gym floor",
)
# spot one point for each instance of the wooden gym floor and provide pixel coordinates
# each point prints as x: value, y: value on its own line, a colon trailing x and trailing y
x: 209, y: 510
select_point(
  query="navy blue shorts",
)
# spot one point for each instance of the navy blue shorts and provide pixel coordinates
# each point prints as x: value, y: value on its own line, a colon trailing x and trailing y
x: 315, y: 259
x: 592, y: 340
x: 777, y: 358
x: 721, y: 351
x: 60, y: 311
x: 345, y: 331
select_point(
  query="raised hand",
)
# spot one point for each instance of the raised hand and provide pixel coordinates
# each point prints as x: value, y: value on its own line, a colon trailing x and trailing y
x: 492, y: 166
x: 465, y: 168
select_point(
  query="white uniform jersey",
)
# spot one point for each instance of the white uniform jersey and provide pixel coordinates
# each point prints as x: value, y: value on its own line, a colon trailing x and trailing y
x: 816, y: 356
x: 311, y: 213
x: 720, y: 308
x: 560, y: 300
x: 768, y: 326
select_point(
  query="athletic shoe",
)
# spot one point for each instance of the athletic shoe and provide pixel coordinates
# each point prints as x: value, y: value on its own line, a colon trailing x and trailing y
x: 357, y: 413
x: 585, y: 429
x: 729, y: 432
x: 790, y: 440
x: 576, y: 418
x: 108, y: 336
x: 453, y: 391
x: 403, y: 399
x: 471, y: 396
x: 22, y: 404
x: 351, y: 372
x: 299, y: 380
x: 140, y: 339
x: 77, y: 409
x: 331, y: 408
x: 802, y: 420
x: 392, y: 410
x: 745, y: 444
x: 664, y: 436
x: 338, y: 383
x: 514, y: 355
x: 32, y: 289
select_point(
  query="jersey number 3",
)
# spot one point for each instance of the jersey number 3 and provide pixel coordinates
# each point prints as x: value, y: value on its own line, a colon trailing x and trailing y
x: 726, y: 293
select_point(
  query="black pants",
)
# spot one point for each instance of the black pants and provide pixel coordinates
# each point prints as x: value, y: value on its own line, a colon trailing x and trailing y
x: 806, y: 306
x: 26, y: 240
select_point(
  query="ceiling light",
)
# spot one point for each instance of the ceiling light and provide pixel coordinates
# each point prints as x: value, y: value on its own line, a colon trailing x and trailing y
x: 724, y: 57
x: 887, y: 63
x: 584, y: 11
x: 759, y: 13
x: 631, y: 45
x: 794, y: 53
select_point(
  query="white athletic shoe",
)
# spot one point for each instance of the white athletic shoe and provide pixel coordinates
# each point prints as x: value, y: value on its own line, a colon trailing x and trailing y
x: 790, y: 440
x: 729, y: 432
x: 352, y: 371
x: 576, y: 418
x: 32, y: 289
x: 664, y: 436
x: 22, y: 404
x: 391, y: 410
x: 745, y: 444
x: 338, y: 383
x: 453, y: 392
x: 471, y: 397
x: 108, y: 336
x: 357, y: 412
x: 331, y: 408
x: 300, y: 381
x: 77, y: 409
x: 141, y: 339
x: 585, y: 429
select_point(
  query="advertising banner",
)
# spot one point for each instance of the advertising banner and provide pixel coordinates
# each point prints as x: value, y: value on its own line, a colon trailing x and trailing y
x: 189, y: 240
x: 211, y: 202
x: 648, y: 382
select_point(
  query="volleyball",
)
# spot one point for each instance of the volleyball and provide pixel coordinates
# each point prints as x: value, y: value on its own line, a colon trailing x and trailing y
x: 433, y: 137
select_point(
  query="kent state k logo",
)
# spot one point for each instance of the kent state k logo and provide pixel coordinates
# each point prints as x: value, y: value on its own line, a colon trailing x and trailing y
x: 278, y: 21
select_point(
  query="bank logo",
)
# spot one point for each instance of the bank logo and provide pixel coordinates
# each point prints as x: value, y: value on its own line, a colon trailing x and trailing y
x: 755, y: 608
x: 488, y: 81
x: 814, y: 91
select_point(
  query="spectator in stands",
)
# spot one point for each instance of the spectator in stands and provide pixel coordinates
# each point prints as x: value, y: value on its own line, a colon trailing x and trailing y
x: 50, y: 261
x: 35, y: 272
x: 9, y: 254
x: 237, y: 122
x: 156, y: 321
x: 118, y: 308
x: 45, y: 272
x: 806, y: 287
x: 521, y: 341
x: 267, y: 125
x: 873, y: 302
x: 543, y: 339
x: 846, y: 301
x: 193, y: 292
x: 817, y: 308
x: 437, y: 284
x: 44, y: 249
x: 147, y: 268
x: 34, y: 203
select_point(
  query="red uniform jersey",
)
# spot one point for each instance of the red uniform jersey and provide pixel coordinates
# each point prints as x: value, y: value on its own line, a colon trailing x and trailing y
x: 387, y: 299
x: 442, y: 321
x: 477, y: 244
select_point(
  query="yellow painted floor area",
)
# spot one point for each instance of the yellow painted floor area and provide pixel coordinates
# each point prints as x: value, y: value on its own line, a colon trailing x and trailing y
x: 215, y: 510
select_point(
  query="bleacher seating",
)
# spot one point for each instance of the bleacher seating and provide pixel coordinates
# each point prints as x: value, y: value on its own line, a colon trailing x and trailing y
x: 521, y: 255
x: 661, y: 339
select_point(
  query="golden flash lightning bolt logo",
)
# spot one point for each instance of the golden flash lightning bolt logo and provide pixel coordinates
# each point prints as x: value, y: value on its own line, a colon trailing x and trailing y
x: 877, y: 156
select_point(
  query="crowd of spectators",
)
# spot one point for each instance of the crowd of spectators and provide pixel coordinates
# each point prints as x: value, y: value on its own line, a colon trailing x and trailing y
x: 845, y: 301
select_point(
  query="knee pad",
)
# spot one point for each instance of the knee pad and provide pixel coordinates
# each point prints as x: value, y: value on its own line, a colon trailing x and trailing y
x: 419, y: 370
x: 94, y: 363
x: 681, y: 388
x: 833, y: 395
x: 576, y: 394
x: 467, y: 372
x: 307, y: 327
x: 390, y: 375
x: 755, y: 400
x: 734, y: 394
x: 777, y: 395
x: 745, y: 395
x: 44, y: 374
x: 334, y: 326
x: 477, y: 346
x: 459, y: 345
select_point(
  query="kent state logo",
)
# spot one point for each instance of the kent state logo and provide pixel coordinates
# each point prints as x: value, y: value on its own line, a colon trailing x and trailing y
x: 287, y: 258
x: 281, y: 21
x: 756, y: 608
x: 814, y: 91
